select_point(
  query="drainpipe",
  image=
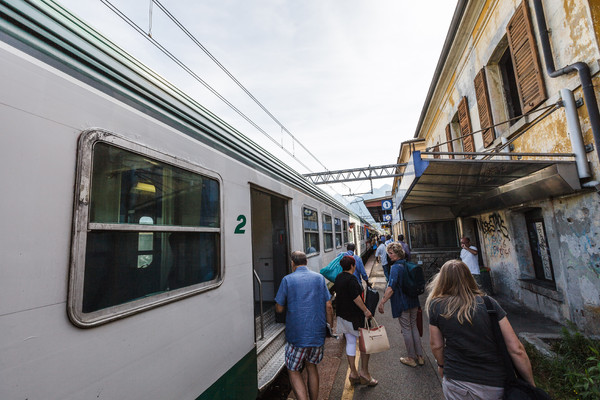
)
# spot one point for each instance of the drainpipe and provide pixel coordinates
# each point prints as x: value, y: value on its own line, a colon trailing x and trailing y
x: 583, y: 69
x: 574, y: 132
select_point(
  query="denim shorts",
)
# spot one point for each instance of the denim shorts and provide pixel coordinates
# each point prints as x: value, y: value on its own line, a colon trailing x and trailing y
x: 295, y: 356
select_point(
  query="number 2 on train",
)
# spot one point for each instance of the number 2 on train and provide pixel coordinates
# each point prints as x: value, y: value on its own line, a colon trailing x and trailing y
x: 240, y: 227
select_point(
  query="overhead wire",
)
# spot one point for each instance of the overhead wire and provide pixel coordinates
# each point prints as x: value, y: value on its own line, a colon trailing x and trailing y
x: 233, y: 78
x: 149, y: 37
x: 198, y: 78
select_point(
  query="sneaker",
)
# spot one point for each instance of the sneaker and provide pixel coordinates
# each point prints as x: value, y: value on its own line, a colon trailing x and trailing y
x: 408, y: 361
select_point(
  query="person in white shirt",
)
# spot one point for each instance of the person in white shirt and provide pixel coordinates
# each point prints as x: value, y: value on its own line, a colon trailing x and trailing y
x: 468, y: 255
x: 381, y: 256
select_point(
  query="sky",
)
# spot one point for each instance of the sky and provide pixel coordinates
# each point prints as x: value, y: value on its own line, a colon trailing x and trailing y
x: 347, y: 78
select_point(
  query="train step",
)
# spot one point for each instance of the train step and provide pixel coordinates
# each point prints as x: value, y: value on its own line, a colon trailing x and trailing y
x: 270, y: 349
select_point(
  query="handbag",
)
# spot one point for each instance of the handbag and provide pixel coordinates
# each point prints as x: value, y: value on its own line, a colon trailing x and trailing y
x: 373, y: 340
x: 420, y: 321
x: 371, y: 299
x: 333, y: 269
x: 515, y: 387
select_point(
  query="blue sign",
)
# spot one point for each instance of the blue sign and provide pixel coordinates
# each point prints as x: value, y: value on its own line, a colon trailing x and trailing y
x: 386, y: 205
x: 387, y: 217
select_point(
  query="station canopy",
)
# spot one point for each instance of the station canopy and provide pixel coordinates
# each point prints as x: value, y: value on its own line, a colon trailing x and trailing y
x: 377, y: 209
x: 471, y: 186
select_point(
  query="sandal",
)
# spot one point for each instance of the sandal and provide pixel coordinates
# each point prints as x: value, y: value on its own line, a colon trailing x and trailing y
x: 408, y: 361
x: 420, y: 360
x: 368, y: 382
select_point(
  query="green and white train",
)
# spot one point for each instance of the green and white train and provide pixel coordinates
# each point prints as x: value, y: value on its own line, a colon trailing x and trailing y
x: 142, y: 238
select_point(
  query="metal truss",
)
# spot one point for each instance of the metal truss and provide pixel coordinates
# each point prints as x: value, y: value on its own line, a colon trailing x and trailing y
x: 356, y: 174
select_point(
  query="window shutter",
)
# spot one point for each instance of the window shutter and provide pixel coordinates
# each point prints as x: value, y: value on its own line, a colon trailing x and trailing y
x: 436, y: 149
x: 484, y: 108
x: 525, y: 59
x: 449, y: 139
x: 465, y: 126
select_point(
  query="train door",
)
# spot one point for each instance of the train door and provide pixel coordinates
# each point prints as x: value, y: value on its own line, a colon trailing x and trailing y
x: 270, y: 257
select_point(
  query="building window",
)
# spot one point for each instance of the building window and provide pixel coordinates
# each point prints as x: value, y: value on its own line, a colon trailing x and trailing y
x: 509, y: 87
x: 327, y: 232
x: 345, y: 226
x: 433, y: 235
x: 150, y: 233
x: 516, y: 84
x: 538, y: 242
x: 338, y: 232
x: 311, y: 230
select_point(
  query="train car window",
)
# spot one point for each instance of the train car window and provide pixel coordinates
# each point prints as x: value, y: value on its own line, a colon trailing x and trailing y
x: 311, y: 231
x: 327, y: 232
x: 338, y: 232
x: 345, y: 225
x: 150, y: 233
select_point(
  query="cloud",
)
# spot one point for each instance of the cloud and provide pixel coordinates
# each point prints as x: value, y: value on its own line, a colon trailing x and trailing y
x: 348, y: 78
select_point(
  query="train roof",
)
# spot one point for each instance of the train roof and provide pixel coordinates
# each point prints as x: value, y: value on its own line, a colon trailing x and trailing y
x: 48, y: 31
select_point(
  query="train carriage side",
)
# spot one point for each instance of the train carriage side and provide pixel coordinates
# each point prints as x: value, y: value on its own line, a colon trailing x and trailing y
x: 141, y: 215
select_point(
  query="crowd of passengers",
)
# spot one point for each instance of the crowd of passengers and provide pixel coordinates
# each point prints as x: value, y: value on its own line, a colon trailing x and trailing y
x: 460, y: 329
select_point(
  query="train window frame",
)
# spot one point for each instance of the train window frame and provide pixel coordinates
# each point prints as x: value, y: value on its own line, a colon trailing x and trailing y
x: 311, y: 231
x: 326, y: 232
x: 337, y: 222
x: 82, y: 226
x: 345, y: 232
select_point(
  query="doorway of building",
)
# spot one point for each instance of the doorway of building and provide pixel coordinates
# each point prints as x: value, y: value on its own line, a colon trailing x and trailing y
x: 269, y: 247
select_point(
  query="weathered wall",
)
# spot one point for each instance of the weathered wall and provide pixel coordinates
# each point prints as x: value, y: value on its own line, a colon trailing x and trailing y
x: 573, y: 234
x: 577, y: 225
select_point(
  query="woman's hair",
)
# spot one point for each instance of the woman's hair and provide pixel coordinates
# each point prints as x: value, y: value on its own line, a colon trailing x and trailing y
x: 397, y: 249
x: 456, y: 288
x: 347, y: 262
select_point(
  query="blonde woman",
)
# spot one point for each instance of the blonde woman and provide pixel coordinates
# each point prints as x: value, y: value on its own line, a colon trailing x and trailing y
x: 404, y: 307
x: 462, y: 340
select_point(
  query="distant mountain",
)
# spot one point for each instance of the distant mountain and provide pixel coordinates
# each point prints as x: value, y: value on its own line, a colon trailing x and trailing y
x: 356, y: 203
x: 382, y: 191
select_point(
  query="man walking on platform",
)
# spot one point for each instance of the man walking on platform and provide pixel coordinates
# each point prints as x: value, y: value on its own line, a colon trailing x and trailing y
x: 303, y: 295
x: 360, y: 271
x: 404, y: 247
x: 381, y: 255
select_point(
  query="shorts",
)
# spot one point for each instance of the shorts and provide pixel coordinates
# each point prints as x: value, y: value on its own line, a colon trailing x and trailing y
x: 295, y: 356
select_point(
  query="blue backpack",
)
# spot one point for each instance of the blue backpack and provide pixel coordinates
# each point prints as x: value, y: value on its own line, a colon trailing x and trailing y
x: 413, y: 280
x: 333, y: 269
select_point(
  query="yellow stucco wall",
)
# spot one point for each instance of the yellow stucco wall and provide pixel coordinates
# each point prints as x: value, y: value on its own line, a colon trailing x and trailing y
x: 574, y: 26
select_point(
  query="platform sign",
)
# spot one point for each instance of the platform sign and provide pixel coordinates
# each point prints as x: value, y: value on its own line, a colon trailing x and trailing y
x: 386, y: 205
x: 387, y: 217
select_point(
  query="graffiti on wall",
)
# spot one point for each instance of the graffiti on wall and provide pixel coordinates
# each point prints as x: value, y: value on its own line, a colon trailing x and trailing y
x: 495, y: 233
x: 494, y: 225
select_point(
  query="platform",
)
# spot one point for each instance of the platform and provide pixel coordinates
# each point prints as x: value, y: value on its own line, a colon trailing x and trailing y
x: 396, y: 380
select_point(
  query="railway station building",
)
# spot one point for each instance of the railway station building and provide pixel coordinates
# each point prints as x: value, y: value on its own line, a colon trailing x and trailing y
x: 508, y: 154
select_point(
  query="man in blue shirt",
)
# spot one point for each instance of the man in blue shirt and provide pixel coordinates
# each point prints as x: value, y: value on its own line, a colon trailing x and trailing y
x: 359, y: 272
x: 303, y: 295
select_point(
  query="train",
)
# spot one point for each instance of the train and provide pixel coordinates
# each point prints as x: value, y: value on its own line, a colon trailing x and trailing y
x: 143, y: 239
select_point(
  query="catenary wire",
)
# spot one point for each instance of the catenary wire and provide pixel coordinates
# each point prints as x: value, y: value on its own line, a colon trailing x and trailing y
x: 233, y: 78
x: 198, y: 78
x: 149, y: 37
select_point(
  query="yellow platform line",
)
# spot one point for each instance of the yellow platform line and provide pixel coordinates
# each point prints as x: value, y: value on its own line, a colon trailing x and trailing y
x: 348, y: 393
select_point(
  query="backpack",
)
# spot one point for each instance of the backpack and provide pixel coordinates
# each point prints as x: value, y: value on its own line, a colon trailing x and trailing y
x: 332, y: 269
x: 413, y: 280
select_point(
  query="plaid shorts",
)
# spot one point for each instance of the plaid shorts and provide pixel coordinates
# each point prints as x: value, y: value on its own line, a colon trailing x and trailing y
x: 295, y: 356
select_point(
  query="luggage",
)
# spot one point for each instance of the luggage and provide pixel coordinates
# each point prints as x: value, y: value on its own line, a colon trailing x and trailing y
x: 333, y: 269
x: 371, y: 299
